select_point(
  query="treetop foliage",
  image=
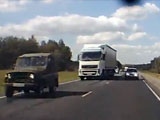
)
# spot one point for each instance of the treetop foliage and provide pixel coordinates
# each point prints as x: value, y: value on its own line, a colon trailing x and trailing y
x: 12, y: 47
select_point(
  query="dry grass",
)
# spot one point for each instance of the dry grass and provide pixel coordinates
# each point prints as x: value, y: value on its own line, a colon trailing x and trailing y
x: 2, y: 74
x: 67, y: 76
x: 156, y: 75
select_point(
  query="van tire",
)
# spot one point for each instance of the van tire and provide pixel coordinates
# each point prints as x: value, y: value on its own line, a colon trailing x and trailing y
x: 9, y: 91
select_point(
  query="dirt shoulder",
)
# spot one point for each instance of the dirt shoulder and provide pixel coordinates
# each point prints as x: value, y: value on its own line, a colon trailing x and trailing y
x: 153, y: 82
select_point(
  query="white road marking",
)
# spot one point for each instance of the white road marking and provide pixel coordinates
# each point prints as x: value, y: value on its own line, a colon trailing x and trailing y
x: 2, y: 97
x: 152, y: 90
x: 13, y: 95
x: 86, y: 94
x: 69, y: 82
x: 107, y: 82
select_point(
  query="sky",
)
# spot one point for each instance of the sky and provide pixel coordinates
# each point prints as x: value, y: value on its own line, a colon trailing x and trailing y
x: 134, y: 31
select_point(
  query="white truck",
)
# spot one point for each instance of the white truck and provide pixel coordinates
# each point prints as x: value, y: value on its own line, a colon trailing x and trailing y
x: 96, y: 61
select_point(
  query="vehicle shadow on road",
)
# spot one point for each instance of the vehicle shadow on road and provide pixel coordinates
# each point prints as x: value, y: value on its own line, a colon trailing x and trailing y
x: 46, y: 95
x: 69, y: 93
x: 122, y: 78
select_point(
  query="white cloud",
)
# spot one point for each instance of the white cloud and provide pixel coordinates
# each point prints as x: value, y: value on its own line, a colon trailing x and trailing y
x: 137, y: 54
x: 47, y: 1
x: 88, y: 29
x: 137, y: 36
x: 102, y: 37
x: 68, y: 24
x: 151, y: 8
x: 136, y: 28
x: 12, y: 5
x: 108, y: 37
x: 15, y: 5
x: 136, y: 12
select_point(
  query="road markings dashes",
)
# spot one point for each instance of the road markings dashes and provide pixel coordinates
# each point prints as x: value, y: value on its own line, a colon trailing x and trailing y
x: 87, y: 94
x: 107, y: 82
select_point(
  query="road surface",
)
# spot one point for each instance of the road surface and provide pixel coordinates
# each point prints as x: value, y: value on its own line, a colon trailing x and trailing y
x: 86, y: 100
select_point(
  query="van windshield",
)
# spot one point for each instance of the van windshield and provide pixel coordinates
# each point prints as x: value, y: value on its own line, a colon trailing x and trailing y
x: 131, y: 70
x: 90, y: 56
x: 34, y: 61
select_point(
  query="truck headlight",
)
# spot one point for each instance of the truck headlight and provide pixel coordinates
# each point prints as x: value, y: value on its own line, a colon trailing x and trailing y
x: 31, y: 76
x: 80, y: 71
x: 98, y: 71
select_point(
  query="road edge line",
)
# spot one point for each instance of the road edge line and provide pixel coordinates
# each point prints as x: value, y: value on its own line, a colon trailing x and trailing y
x: 2, y: 97
x: 154, y: 93
x: 69, y: 82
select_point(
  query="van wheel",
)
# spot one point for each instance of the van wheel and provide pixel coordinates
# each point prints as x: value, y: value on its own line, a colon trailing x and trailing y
x: 26, y: 91
x: 9, y: 91
x: 38, y: 90
x: 52, y: 89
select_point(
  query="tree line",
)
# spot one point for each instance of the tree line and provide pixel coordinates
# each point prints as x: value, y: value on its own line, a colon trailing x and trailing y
x: 153, y: 66
x: 11, y: 47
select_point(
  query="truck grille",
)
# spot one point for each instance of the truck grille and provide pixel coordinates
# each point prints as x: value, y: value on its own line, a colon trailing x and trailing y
x: 89, y: 66
x: 89, y: 73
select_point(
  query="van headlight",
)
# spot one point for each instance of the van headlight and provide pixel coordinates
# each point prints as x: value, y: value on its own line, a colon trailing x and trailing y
x: 31, y: 76
x: 8, y: 76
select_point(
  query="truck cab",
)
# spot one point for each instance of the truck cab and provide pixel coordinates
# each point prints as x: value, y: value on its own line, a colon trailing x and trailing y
x: 32, y: 72
x: 90, y: 64
x: 96, y: 61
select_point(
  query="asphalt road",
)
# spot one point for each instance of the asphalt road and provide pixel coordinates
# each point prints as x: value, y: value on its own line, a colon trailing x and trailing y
x: 86, y: 100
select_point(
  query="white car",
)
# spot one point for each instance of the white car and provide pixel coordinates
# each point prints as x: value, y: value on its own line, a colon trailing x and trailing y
x: 131, y: 73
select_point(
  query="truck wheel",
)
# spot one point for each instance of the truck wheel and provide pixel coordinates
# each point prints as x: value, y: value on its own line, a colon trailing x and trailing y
x: 9, y: 91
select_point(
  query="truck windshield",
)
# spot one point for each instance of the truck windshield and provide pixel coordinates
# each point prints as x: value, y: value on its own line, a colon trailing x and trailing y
x: 35, y: 61
x: 89, y: 56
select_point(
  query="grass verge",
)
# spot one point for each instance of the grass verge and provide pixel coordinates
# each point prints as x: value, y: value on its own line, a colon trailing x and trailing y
x: 2, y: 74
x: 64, y: 76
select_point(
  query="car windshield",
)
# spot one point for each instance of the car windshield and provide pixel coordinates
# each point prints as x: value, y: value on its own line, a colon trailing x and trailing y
x: 31, y: 61
x: 131, y: 70
x: 90, y: 56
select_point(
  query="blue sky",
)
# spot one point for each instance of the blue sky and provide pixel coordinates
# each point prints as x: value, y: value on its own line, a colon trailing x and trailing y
x: 133, y: 31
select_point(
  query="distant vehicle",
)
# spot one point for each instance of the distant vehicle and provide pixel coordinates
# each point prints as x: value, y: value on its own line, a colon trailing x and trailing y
x: 125, y: 69
x: 32, y: 72
x: 131, y: 73
x: 96, y: 61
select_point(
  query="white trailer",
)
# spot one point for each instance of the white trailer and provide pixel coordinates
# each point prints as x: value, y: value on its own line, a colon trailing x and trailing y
x: 96, y: 61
